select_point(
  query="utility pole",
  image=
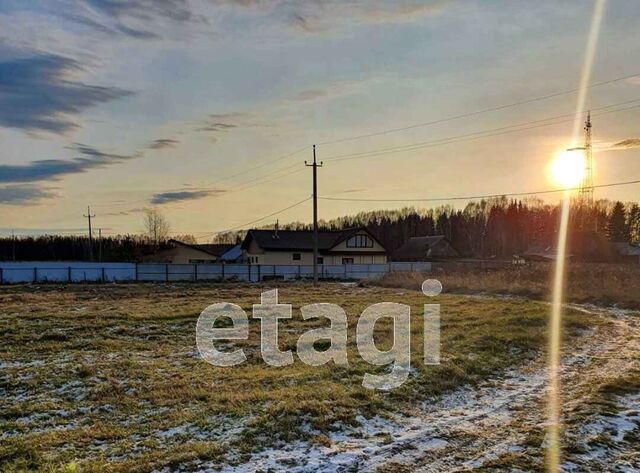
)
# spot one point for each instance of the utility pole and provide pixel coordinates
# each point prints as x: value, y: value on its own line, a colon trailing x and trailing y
x: 13, y: 245
x: 315, y: 167
x: 89, y: 217
x: 100, y: 244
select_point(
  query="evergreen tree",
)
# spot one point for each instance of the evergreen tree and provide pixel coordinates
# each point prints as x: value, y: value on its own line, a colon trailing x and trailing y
x: 617, y: 228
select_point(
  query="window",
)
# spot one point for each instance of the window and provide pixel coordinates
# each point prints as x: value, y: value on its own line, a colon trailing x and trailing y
x: 347, y: 260
x: 296, y: 257
x: 360, y: 241
x: 320, y: 260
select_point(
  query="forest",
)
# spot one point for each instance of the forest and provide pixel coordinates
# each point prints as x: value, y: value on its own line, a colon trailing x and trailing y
x: 497, y: 228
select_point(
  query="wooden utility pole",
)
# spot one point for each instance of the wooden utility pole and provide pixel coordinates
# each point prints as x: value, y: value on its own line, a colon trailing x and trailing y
x: 13, y: 245
x: 315, y: 167
x: 89, y: 217
x: 100, y: 244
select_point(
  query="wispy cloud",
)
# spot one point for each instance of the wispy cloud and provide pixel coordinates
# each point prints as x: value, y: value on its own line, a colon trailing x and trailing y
x: 181, y: 196
x: 23, y: 195
x: 332, y: 90
x: 36, y: 94
x: 628, y: 143
x: 137, y: 19
x: 53, y: 169
x: 123, y: 213
x: 317, y: 16
x: 163, y: 143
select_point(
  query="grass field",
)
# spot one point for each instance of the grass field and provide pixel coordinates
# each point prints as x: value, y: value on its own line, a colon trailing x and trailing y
x: 108, y: 378
x: 601, y: 284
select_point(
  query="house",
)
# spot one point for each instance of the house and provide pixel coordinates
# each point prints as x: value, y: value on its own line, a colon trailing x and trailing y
x: 295, y: 247
x: 184, y: 253
x: 627, y: 252
x: 233, y: 255
x: 426, y: 248
x: 586, y: 246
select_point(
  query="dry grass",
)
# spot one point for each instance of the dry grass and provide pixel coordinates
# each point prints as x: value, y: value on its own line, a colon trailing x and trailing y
x: 601, y: 284
x: 107, y: 378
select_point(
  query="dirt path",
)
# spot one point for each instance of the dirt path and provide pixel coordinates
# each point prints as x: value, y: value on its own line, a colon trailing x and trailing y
x: 499, y: 424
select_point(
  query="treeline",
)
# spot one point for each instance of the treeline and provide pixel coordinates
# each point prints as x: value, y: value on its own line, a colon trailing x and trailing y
x: 489, y: 228
x: 497, y: 228
x: 77, y: 248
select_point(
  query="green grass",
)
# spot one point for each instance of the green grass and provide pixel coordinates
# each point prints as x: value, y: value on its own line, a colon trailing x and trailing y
x: 107, y: 378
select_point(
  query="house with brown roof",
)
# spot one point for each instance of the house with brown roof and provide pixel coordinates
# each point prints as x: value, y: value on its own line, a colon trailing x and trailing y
x: 426, y: 248
x: 295, y: 247
x: 184, y: 253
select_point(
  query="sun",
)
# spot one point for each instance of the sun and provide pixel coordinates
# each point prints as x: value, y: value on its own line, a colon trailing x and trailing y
x: 568, y: 168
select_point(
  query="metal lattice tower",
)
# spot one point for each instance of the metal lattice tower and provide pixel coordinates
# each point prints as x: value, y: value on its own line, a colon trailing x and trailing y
x: 586, y: 189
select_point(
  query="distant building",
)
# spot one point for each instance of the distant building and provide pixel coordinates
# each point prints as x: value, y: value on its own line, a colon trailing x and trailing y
x: 581, y: 246
x: 233, y: 255
x: 184, y: 253
x: 627, y: 252
x: 427, y: 248
x: 295, y: 247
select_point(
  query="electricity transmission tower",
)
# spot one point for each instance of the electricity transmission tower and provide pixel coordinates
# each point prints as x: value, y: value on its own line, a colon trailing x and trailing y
x: 586, y: 189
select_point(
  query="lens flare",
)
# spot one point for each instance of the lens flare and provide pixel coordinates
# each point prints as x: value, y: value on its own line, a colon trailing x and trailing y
x: 568, y: 168
x: 554, y: 401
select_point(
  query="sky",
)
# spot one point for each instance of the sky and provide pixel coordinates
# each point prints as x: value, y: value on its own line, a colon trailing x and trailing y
x: 207, y: 109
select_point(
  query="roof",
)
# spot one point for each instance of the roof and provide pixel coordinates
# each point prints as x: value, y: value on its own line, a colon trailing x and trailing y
x: 581, y: 245
x: 417, y: 248
x: 213, y: 249
x: 301, y: 240
x: 625, y: 249
x: 232, y: 253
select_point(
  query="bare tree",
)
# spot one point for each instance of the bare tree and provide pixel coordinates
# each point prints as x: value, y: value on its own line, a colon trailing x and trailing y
x: 156, y: 226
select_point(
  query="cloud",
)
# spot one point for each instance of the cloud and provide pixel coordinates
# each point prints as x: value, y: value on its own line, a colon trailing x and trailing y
x: 318, y: 16
x: 163, y: 143
x: 23, y: 195
x: 181, y: 196
x: 123, y: 213
x: 307, y: 95
x: 217, y: 126
x: 138, y: 19
x: 313, y: 14
x: 221, y: 122
x: 36, y: 94
x: 52, y: 169
x: 332, y: 90
x: 628, y: 144
x: 300, y: 23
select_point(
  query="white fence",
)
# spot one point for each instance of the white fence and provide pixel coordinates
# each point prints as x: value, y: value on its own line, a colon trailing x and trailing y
x: 30, y: 272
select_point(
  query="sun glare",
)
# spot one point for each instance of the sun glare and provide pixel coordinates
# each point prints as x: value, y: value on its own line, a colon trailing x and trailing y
x: 568, y: 168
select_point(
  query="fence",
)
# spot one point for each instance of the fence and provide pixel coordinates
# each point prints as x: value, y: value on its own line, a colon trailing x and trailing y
x: 31, y: 272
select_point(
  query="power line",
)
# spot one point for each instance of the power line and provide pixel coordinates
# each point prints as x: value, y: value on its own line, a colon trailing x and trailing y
x: 478, y: 134
x: 256, y: 220
x: 266, y: 163
x: 474, y: 113
x: 476, y: 197
x: 226, y: 178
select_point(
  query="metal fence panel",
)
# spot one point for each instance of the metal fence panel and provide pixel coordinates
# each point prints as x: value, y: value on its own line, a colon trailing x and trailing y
x: 158, y: 272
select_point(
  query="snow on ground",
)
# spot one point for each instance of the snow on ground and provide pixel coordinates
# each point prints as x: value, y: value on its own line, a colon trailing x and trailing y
x: 472, y: 426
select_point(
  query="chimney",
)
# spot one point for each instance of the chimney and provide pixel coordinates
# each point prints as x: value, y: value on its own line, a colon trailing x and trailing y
x: 275, y: 232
